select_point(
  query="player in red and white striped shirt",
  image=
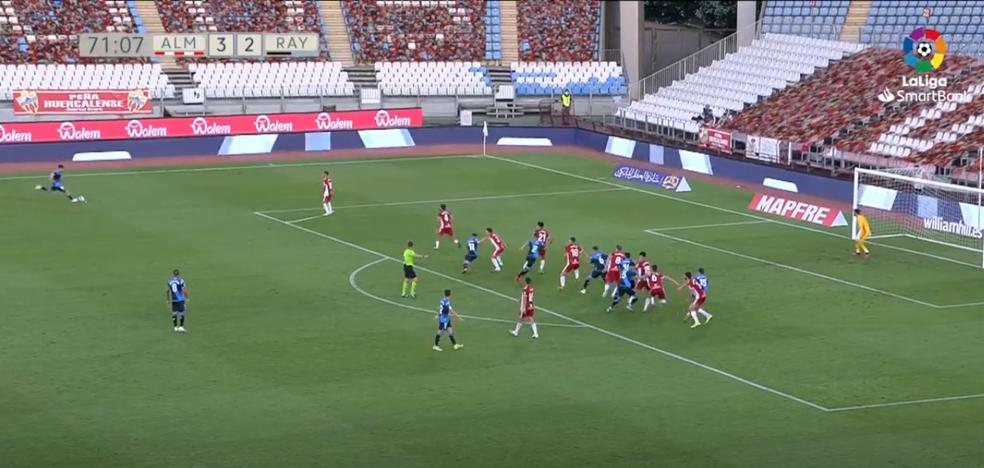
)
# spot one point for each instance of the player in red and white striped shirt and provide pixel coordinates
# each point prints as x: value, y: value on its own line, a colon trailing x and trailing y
x: 698, y: 296
x: 526, y: 310
x: 329, y: 192
x: 498, y: 247
x: 444, y: 227
x: 572, y: 253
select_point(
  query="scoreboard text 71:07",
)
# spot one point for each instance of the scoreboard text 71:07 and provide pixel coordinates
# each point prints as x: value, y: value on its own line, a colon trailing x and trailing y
x: 215, y: 45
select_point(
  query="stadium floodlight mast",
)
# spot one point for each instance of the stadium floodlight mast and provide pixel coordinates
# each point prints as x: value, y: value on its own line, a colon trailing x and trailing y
x: 904, y: 205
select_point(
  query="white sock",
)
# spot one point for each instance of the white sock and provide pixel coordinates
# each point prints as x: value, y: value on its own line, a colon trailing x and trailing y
x: 535, y: 332
x: 518, y: 326
x: 662, y: 301
x: 693, y: 315
x: 605, y: 292
x: 330, y: 209
x: 645, y: 305
x: 563, y: 281
x: 704, y: 313
x: 498, y: 261
x: 577, y: 274
x: 542, y: 263
x: 437, y: 244
x: 456, y: 242
x: 327, y: 208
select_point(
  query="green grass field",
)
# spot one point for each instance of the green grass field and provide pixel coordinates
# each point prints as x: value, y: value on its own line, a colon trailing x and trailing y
x: 300, y: 351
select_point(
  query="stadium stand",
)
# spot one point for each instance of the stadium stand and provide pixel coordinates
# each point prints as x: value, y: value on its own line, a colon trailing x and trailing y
x: 741, y: 79
x: 559, y: 30
x: 271, y: 79
x: 433, y: 78
x: 821, y: 20
x: 441, y: 31
x: 962, y: 23
x: 581, y: 78
x: 41, y: 31
x: 493, y: 31
x: 180, y: 16
x: 89, y: 76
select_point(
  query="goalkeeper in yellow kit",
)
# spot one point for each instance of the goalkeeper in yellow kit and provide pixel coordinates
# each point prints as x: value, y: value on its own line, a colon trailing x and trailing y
x: 864, y: 232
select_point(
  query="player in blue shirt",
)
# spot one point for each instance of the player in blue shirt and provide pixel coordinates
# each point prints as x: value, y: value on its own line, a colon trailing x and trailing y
x: 57, y: 185
x: 444, y: 314
x: 626, y: 283
x: 177, y: 295
x: 471, y: 251
x: 597, y: 260
x: 534, y: 247
x: 701, y: 278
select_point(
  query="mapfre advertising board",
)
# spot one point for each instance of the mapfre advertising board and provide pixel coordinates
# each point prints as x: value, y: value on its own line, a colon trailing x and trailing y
x: 87, y: 102
x: 255, y: 124
x: 798, y: 210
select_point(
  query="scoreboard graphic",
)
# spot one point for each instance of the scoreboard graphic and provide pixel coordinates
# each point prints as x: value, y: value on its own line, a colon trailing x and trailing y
x: 217, y: 45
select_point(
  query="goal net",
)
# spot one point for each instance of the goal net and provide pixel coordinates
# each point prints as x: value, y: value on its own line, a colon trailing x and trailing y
x: 916, y: 206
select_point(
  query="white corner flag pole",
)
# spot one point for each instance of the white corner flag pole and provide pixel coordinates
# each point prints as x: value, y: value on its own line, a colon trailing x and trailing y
x: 485, y: 136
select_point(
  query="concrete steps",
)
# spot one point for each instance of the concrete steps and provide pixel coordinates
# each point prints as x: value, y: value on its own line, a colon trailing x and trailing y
x: 857, y: 16
x: 339, y: 45
x: 510, y: 31
x: 151, y: 18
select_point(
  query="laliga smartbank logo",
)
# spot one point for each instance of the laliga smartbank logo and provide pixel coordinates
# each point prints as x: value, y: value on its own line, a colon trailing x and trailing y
x: 924, y: 51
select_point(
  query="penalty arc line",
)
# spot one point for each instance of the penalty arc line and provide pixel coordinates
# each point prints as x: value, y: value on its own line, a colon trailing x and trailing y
x: 612, y: 334
x: 796, y: 269
x: 721, y: 209
x: 355, y: 285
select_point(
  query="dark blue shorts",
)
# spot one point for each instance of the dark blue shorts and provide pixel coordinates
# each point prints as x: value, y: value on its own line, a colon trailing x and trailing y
x: 57, y: 188
x: 626, y: 291
x: 530, y: 261
x: 597, y: 273
x: 442, y: 326
x: 470, y: 257
x: 178, y: 307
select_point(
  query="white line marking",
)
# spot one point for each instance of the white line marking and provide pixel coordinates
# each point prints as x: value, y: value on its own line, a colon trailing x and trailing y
x: 309, y: 218
x: 246, y: 167
x: 796, y: 269
x: 724, y: 210
x: 355, y: 286
x: 966, y: 304
x: 906, y: 403
x: 450, y: 200
x: 562, y: 316
x: 702, y: 226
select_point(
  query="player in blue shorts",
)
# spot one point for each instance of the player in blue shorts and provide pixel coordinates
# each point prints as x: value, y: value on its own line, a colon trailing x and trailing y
x: 177, y: 295
x: 57, y: 185
x: 597, y: 260
x: 534, y: 246
x: 444, y: 314
x: 626, y: 284
x: 471, y: 252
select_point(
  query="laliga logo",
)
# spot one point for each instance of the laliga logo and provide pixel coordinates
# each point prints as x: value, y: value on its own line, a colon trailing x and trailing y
x: 325, y: 122
x: 201, y: 126
x: 384, y: 120
x: 14, y: 136
x: 924, y: 49
x: 67, y: 131
x: 136, y: 129
x: 137, y: 100
x: 28, y: 100
x: 263, y: 124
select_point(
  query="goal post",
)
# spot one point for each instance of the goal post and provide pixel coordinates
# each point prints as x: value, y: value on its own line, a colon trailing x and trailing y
x: 934, y: 211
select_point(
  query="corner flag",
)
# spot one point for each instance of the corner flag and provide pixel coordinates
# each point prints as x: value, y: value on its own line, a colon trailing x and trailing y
x: 485, y: 129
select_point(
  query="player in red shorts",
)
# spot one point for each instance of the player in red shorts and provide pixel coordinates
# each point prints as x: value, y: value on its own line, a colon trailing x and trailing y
x: 444, y: 227
x: 526, y: 310
x: 572, y: 252
x: 498, y: 248
x: 642, y: 266
x: 613, y: 273
x: 329, y: 192
x: 543, y: 235
x: 654, y: 283
x: 698, y: 296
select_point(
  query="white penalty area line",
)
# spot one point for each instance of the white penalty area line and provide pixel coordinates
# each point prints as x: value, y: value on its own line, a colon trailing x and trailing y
x: 604, y: 181
x: 796, y: 269
x: 355, y: 285
x: 612, y: 334
x: 271, y: 165
x: 906, y: 403
x: 706, y: 226
x: 442, y: 200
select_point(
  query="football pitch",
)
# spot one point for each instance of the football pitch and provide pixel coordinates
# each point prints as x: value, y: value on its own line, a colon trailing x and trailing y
x: 301, y: 352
